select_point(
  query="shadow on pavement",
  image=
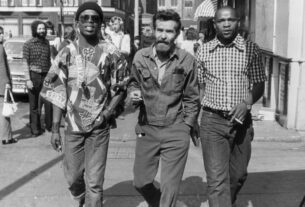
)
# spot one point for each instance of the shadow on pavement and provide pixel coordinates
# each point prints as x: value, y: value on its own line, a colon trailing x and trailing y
x: 28, y: 177
x: 262, y: 189
x: 123, y: 194
x: 273, y: 189
x: 23, y: 133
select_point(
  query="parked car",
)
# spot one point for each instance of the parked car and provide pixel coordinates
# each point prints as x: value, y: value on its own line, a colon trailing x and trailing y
x: 14, y: 48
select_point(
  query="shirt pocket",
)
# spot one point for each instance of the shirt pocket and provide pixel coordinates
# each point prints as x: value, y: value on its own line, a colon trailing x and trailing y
x: 147, y: 80
x: 178, y: 81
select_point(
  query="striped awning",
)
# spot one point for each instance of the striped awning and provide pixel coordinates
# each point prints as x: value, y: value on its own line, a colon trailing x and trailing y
x: 206, y: 9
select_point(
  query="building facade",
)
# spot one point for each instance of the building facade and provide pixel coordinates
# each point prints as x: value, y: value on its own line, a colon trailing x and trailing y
x: 278, y: 26
x: 16, y: 16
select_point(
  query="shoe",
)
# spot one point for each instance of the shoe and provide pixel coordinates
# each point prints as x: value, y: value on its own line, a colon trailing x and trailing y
x: 49, y: 129
x: 81, y: 202
x: 10, y: 141
x: 37, y: 134
x: 143, y: 204
x: 180, y: 204
x: 205, y: 204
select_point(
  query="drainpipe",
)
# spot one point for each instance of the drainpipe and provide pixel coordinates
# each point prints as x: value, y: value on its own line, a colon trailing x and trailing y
x: 136, y: 18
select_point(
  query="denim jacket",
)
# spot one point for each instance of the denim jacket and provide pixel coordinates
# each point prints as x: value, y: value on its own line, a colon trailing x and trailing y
x: 176, y: 100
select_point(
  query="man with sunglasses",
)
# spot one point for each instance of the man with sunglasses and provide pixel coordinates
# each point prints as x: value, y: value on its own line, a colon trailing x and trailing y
x: 231, y: 75
x: 87, y: 81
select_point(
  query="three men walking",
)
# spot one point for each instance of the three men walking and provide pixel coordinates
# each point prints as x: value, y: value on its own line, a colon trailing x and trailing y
x: 87, y: 82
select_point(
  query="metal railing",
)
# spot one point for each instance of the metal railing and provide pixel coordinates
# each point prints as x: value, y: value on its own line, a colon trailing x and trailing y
x: 277, y: 70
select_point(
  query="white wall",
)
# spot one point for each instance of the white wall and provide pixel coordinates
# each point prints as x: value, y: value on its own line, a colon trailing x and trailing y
x: 264, y: 23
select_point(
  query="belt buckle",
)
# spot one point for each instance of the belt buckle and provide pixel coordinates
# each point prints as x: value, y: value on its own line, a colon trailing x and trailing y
x: 225, y: 114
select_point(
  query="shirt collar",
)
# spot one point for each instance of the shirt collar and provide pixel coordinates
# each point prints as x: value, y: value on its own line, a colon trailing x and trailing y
x: 152, y: 53
x: 238, y: 42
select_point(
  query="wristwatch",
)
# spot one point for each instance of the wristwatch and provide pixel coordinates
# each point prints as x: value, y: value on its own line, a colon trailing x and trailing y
x: 249, y: 106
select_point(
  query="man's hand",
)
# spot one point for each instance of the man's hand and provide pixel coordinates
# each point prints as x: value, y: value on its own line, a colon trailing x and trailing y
x: 195, y: 134
x: 239, y: 113
x: 136, y: 96
x: 29, y: 84
x: 56, y: 142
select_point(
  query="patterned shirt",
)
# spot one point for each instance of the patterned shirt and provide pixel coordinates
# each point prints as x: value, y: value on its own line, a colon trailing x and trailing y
x: 82, y: 81
x: 228, y: 72
x: 37, y: 54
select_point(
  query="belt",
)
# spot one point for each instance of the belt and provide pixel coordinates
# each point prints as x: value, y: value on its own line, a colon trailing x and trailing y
x: 223, y: 114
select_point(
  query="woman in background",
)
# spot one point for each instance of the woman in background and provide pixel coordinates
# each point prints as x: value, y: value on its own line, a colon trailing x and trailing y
x: 189, y: 44
x: 5, y: 82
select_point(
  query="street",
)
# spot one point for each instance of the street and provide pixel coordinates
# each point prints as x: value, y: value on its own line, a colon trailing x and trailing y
x: 31, y: 173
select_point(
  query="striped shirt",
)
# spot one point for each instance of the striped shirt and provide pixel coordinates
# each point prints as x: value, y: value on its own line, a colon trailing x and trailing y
x: 228, y: 72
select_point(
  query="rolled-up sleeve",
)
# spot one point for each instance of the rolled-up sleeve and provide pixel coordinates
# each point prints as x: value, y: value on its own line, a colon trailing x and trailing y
x: 256, y: 69
x: 200, y: 66
x: 134, y: 80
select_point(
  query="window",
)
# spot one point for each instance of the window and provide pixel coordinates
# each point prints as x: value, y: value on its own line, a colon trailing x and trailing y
x: 161, y: 3
x: 70, y: 2
x: 26, y: 25
x: 7, y: 2
x: 188, y: 3
x: 29, y: 3
x: 3, y: 3
x: 10, y: 25
x: 174, y: 3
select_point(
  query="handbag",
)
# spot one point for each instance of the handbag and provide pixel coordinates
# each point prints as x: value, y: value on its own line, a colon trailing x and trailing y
x: 9, y: 108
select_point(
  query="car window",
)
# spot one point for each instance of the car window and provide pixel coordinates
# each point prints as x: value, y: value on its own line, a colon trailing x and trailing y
x: 14, y: 49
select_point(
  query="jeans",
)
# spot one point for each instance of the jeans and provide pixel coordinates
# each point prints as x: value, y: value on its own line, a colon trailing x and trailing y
x: 170, y: 145
x: 5, y: 124
x: 226, y: 151
x: 84, y: 164
x: 36, y: 103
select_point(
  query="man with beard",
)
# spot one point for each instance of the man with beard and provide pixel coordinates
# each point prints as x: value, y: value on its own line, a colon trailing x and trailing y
x: 232, y: 76
x: 164, y: 83
x: 87, y: 82
x: 36, y: 52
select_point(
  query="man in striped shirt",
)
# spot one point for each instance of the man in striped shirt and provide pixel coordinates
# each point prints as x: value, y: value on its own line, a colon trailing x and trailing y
x: 231, y: 76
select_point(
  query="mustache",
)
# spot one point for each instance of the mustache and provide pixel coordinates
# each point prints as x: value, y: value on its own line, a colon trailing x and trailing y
x: 160, y: 41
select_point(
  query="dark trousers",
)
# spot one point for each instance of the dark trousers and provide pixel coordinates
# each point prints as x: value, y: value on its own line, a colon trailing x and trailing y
x: 84, y: 164
x: 36, y: 103
x: 170, y: 145
x: 226, y: 151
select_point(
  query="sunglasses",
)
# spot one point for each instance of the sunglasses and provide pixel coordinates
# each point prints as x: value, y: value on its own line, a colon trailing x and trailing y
x: 87, y: 18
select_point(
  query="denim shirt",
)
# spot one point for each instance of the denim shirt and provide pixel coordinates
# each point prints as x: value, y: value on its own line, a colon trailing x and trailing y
x: 176, y: 99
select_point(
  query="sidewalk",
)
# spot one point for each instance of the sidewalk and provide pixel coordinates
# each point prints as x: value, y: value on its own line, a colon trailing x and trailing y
x: 272, y: 130
x: 31, y: 173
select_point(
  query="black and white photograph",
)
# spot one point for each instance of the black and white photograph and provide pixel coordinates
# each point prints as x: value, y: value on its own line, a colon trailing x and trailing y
x: 152, y: 103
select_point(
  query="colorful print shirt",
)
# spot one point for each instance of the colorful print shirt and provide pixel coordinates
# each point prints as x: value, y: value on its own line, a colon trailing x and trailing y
x: 82, y: 82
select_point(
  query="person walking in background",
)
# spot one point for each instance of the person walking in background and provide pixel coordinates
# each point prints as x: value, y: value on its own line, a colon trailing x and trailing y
x: 89, y: 85
x: 119, y: 39
x: 5, y: 76
x: 207, y: 33
x: 36, y: 53
x: 189, y: 44
x: 180, y: 38
x: 164, y: 83
x: 69, y: 37
x: 231, y: 76
x: 105, y: 36
x: 54, y: 41
x: 147, y: 37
